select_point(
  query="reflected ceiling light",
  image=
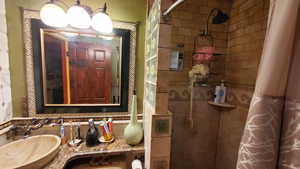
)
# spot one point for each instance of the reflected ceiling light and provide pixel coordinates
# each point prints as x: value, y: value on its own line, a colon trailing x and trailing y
x: 78, y: 17
x: 53, y: 15
x: 70, y: 34
x: 102, y: 22
x: 107, y: 37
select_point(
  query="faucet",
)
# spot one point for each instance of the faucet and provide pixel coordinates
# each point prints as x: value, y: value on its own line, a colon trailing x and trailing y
x: 35, y: 124
x: 26, y: 129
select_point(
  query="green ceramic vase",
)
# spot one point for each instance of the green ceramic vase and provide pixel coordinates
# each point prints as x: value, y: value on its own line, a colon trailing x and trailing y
x: 133, y: 132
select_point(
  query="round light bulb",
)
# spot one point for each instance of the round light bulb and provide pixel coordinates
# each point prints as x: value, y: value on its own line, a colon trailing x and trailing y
x: 102, y: 23
x: 53, y: 15
x: 78, y: 17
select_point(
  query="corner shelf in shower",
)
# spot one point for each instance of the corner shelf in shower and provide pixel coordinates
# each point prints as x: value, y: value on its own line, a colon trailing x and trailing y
x: 221, y: 105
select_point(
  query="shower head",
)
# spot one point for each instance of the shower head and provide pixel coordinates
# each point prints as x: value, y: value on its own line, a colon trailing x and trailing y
x: 220, y: 18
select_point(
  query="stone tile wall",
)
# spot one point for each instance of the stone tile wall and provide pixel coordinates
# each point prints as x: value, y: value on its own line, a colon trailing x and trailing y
x: 193, y: 148
x: 242, y: 42
x: 5, y: 89
x: 232, y: 122
x: 188, y: 20
x: 246, y: 33
x: 213, y: 142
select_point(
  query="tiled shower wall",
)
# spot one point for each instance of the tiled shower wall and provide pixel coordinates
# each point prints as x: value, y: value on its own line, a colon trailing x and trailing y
x: 214, y: 142
x: 196, y: 147
x: 5, y: 90
x: 188, y: 20
x: 193, y: 148
x: 246, y: 33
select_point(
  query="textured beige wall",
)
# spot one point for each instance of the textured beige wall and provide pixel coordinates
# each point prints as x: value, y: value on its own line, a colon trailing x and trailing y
x: 5, y: 89
x: 122, y: 10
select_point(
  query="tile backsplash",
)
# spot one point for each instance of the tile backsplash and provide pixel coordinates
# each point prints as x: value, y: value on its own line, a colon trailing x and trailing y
x: 5, y: 87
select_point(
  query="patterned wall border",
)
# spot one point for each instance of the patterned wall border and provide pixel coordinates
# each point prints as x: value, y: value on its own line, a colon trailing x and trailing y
x: 238, y: 96
x: 27, y: 16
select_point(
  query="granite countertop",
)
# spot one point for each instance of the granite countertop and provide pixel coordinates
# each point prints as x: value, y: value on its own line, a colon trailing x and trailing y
x: 66, y: 153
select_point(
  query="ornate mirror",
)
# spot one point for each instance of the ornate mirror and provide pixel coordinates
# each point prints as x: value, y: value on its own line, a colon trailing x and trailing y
x: 78, y: 71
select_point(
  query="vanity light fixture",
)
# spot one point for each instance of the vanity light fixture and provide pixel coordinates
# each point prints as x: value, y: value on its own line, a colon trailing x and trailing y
x: 53, y: 15
x: 102, y: 22
x: 77, y: 16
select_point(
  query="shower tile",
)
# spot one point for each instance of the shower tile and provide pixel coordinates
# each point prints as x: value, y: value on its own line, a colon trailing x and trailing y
x: 161, y: 125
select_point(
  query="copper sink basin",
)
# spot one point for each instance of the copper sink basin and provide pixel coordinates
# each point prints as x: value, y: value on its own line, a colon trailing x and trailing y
x: 30, y: 153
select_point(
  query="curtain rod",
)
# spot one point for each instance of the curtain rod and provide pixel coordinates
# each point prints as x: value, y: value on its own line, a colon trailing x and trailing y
x: 175, y: 4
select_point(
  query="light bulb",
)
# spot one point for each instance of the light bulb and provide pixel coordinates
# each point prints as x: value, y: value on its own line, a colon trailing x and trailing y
x: 53, y: 15
x: 102, y: 23
x: 78, y: 17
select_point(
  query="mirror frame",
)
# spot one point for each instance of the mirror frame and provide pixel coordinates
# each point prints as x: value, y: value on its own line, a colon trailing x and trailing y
x: 28, y: 15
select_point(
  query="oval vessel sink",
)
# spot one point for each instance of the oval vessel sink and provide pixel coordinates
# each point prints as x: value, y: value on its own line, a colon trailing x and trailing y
x: 30, y: 153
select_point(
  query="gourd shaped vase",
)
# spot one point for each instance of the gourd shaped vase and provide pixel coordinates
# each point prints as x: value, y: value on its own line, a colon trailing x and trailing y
x: 133, y: 132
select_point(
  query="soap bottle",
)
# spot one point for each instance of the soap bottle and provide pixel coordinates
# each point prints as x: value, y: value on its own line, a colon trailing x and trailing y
x: 62, y: 133
x: 222, y: 92
x: 92, y: 134
x: 217, y: 98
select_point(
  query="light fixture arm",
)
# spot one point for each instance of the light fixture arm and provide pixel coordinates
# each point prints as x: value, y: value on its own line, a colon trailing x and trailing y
x: 104, y: 9
x: 59, y: 2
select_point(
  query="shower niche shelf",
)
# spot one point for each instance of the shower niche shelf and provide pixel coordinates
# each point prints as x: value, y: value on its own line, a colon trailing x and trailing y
x: 221, y: 105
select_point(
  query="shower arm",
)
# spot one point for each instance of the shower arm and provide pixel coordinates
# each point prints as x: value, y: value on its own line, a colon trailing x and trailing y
x: 205, y: 33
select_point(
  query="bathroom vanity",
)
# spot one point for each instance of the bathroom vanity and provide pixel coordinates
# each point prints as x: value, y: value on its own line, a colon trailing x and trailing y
x: 116, y: 152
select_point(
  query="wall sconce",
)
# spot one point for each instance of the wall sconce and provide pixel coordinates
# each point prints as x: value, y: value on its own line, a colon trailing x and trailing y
x: 77, y: 16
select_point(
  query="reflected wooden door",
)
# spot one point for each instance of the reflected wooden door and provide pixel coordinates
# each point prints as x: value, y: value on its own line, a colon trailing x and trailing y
x: 91, y: 76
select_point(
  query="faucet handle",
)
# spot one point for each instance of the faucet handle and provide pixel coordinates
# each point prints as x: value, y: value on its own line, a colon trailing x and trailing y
x: 34, y: 121
x: 47, y: 121
x: 60, y: 121
x: 27, y: 132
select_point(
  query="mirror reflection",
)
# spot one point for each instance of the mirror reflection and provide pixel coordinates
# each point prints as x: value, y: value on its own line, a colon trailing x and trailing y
x: 80, y: 68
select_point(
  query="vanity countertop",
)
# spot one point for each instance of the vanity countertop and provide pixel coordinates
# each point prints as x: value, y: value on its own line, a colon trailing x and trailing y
x: 66, y: 153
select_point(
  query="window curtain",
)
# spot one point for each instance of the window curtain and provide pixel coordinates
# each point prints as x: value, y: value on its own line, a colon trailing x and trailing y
x: 271, y: 138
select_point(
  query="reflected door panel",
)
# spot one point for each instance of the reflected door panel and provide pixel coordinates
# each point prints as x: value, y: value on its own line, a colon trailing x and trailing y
x: 91, y: 77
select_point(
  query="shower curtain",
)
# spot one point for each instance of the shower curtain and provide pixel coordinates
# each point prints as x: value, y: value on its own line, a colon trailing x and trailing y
x: 271, y: 137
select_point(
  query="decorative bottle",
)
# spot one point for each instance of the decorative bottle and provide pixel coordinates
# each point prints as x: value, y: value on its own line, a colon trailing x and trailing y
x: 133, y: 132
x: 92, y: 134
